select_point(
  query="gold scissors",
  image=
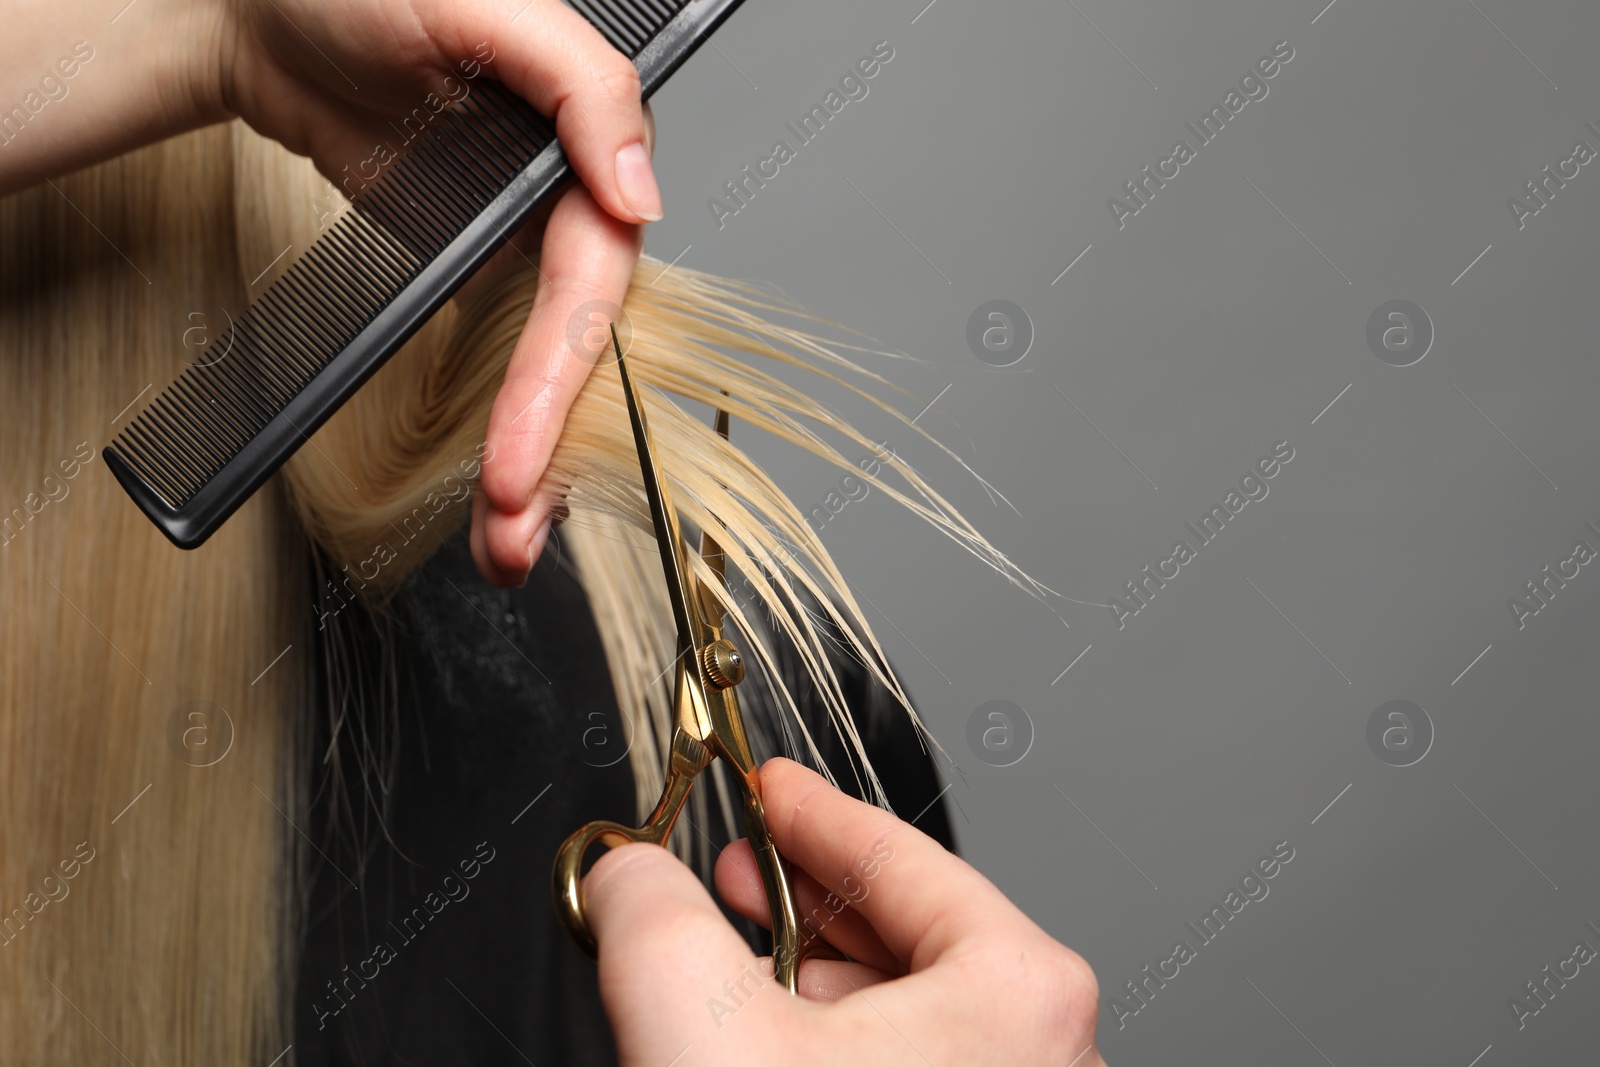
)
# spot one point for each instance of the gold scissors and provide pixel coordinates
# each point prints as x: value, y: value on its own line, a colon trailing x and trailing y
x: 708, y: 723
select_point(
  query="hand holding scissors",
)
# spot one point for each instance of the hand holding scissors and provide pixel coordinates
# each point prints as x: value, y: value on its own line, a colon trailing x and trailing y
x: 706, y: 713
x: 941, y: 968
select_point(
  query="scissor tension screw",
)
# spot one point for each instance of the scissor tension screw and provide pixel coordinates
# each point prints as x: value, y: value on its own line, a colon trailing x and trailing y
x: 723, y: 666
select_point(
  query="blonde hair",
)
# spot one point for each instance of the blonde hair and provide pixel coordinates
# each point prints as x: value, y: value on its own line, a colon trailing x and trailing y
x: 173, y: 941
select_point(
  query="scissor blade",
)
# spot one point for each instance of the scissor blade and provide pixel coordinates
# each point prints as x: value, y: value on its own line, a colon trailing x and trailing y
x: 711, y: 551
x: 668, y: 539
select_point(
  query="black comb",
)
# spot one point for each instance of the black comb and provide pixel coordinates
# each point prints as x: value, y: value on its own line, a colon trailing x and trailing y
x: 301, y: 349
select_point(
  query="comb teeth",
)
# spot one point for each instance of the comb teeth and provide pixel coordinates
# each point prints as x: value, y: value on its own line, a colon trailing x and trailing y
x: 627, y: 26
x: 324, y: 326
x: 288, y: 336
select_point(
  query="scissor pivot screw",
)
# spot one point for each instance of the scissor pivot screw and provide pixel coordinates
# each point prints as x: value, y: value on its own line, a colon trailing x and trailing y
x: 724, y: 667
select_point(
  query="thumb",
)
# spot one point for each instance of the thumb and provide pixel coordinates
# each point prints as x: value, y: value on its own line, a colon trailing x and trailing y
x: 667, y: 954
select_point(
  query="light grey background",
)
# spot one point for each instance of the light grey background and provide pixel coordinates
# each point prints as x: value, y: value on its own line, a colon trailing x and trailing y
x: 1222, y: 319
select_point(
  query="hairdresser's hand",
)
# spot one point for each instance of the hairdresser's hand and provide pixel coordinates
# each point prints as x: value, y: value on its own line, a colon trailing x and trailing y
x: 943, y: 968
x: 327, y: 79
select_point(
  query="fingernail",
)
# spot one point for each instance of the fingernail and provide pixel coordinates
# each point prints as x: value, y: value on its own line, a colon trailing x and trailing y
x: 535, y: 546
x: 637, y: 182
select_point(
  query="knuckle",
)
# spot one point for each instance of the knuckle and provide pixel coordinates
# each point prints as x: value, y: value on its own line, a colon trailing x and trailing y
x: 1071, y: 1000
x: 618, y: 80
x: 1080, y: 982
x: 1049, y: 989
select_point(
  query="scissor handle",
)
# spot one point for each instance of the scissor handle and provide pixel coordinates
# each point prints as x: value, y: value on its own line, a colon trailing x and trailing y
x: 689, y: 758
x: 568, y: 872
x: 786, y: 944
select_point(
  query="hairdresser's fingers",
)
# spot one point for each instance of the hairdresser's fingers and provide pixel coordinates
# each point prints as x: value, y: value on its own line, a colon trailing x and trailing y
x: 588, y: 260
x: 661, y: 935
x: 480, y: 549
x: 547, y: 501
x: 393, y: 53
x: 829, y: 980
x: 922, y: 900
x: 984, y: 976
x: 552, y: 57
x: 823, y: 914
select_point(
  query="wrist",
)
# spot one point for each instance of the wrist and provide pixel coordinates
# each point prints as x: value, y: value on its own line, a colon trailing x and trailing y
x: 192, y: 44
x: 153, y: 71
